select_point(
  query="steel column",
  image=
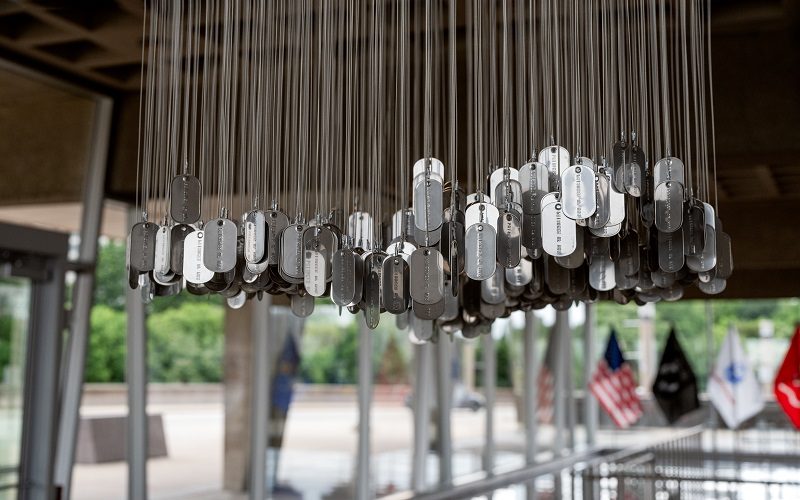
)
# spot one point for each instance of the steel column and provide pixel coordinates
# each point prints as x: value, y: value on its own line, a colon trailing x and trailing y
x: 136, y: 378
x: 569, y: 382
x: 363, y: 481
x: 590, y: 415
x: 530, y: 394
x: 444, y: 395
x: 419, y: 459
x: 75, y: 360
x: 559, y: 396
x: 259, y: 397
x: 489, y: 391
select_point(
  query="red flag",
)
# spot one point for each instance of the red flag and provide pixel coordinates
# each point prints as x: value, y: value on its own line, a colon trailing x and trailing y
x: 787, y: 382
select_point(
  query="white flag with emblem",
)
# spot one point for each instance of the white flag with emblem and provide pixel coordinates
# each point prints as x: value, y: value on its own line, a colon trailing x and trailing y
x: 733, y: 388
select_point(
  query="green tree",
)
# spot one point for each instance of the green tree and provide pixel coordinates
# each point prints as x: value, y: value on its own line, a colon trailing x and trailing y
x: 106, y: 359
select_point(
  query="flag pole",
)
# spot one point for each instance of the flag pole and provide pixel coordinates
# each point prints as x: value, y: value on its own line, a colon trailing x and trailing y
x: 589, y: 357
x: 713, y: 421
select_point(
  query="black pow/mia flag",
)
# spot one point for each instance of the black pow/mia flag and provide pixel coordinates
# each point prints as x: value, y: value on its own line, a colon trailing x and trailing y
x: 675, y: 387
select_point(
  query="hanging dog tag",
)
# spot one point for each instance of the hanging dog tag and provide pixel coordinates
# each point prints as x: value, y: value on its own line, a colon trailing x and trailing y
x: 194, y: 269
x: 602, y: 194
x: 185, y: 199
x: 254, y: 236
x: 520, y: 275
x: 534, y: 178
x: 291, y: 253
x: 427, y: 194
x: 707, y: 259
x: 713, y: 287
x: 373, y: 268
x: 302, y: 304
x: 179, y: 232
x: 143, y: 246
x: 607, y: 231
x: 427, y: 276
x: 555, y: 158
x: 237, y: 301
x: 421, y: 329
x: 146, y: 288
x: 632, y: 179
x: 482, y: 213
x: 395, y: 284
x: 619, y: 157
x: 558, y: 231
x: 693, y: 228
x: 616, y: 202
x: 670, y: 251
x: 277, y: 222
x: 493, y: 289
x: 668, y: 199
x: 480, y: 251
x: 532, y: 234
x: 161, y: 259
x: 668, y: 169
x: 498, y: 177
x: 509, y: 248
x: 601, y: 273
x: 220, y: 237
x: 347, y: 284
x: 663, y: 279
x: 724, y: 255
x: 314, y: 272
x: 359, y: 227
x: 451, y: 310
x: 578, y: 192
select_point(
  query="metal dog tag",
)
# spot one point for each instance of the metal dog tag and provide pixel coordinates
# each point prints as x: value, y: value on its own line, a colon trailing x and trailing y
x: 668, y: 169
x: 220, y: 237
x: 359, y: 227
x: 668, y: 199
x: 373, y: 268
x: 663, y: 279
x: 347, y: 283
x: 194, y: 269
x: 277, y: 222
x: 509, y: 247
x: 707, y: 259
x: 556, y: 159
x: 451, y: 310
x: 143, y: 246
x: 693, y: 227
x: 421, y: 329
x: 427, y: 276
x: 496, y: 178
x: 601, y: 273
x: 493, y: 290
x: 607, y: 231
x: 291, y: 253
x: 185, y: 199
x: 576, y: 258
x: 302, y: 304
x: 255, y: 227
x: 724, y: 255
x: 480, y: 251
x: 481, y: 213
x: 670, y: 251
x: 427, y: 201
x: 238, y: 300
x: 161, y: 259
x: 578, y: 192
x: 558, y: 231
x: 616, y: 203
x: 532, y: 234
x: 452, y: 246
x: 314, y: 272
x: 179, y: 232
x: 520, y: 275
x: 602, y: 195
x: 713, y: 287
x: 395, y: 284
x: 428, y: 311
x: 534, y: 178
x: 632, y: 179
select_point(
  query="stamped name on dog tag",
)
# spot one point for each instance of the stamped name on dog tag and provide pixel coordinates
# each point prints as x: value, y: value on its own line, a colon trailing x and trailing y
x: 185, y: 199
x: 373, y: 267
x: 578, y: 192
x: 520, y: 275
x: 302, y: 304
x: 509, y: 247
x: 601, y: 273
x: 602, y: 195
x: 694, y: 226
x: 670, y: 251
x: 220, y: 237
x: 707, y: 259
x: 558, y: 231
x: 480, y: 251
x: 277, y: 222
x: 427, y: 276
x: 576, y: 258
x: 347, y: 285
x: 532, y: 234
x: 555, y: 158
x: 292, y: 253
x: 427, y: 201
x: 161, y: 259
x: 428, y: 311
x: 668, y: 169
x: 493, y: 290
x: 314, y: 272
x: 395, y: 284
x: 535, y: 181
x: 194, y: 268
x: 668, y: 198
x: 254, y: 236
x: 143, y: 246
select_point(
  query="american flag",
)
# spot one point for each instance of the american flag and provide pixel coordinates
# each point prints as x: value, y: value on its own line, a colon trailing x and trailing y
x: 614, y: 386
x: 546, y: 381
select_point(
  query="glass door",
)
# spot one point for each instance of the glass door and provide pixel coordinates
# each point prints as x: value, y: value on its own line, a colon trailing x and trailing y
x: 15, y: 307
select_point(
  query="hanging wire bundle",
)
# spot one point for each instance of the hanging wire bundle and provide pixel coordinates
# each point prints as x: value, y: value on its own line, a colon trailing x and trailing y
x: 310, y: 148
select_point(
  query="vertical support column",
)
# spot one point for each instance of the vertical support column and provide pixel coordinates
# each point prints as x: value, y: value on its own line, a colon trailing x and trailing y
x: 75, y: 355
x: 530, y: 394
x: 489, y: 386
x: 41, y: 382
x: 560, y: 399
x: 590, y: 415
x: 647, y: 344
x: 363, y: 478
x: 444, y: 393
x: 419, y: 460
x: 260, y: 396
x: 136, y: 378
x: 712, y: 414
x: 569, y: 381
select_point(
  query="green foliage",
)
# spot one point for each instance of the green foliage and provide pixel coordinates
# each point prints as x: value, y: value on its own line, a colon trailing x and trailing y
x: 392, y: 368
x: 106, y: 359
x: 110, y: 281
x: 330, y: 351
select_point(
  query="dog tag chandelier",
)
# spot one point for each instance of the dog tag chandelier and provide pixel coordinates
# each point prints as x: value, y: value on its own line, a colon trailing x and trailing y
x: 447, y: 161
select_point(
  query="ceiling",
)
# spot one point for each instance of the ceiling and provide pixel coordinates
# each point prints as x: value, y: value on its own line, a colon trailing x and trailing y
x: 756, y: 54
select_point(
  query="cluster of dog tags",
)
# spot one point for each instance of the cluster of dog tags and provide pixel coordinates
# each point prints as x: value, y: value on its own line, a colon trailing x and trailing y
x: 556, y: 230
